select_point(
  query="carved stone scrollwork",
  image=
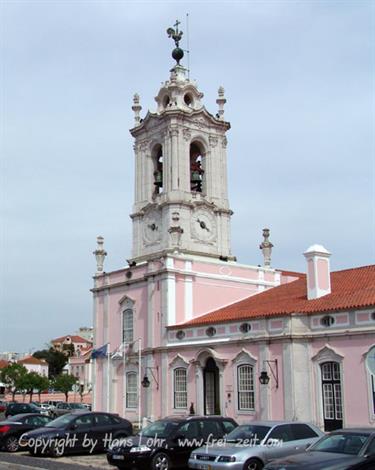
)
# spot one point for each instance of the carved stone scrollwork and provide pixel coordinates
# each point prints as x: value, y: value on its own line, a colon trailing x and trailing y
x: 173, y: 132
x: 187, y: 134
x: 213, y: 140
x: 224, y: 142
x: 175, y: 233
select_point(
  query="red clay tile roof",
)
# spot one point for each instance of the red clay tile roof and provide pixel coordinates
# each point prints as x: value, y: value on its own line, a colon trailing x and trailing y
x: 3, y: 363
x: 74, y: 338
x: 32, y: 360
x: 351, y: 289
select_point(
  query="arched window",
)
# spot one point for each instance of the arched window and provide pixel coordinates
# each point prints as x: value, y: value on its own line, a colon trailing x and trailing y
x: 196, y: 168
x: 131, y: 390
x: 180, y: 388
x: 245, y: 387
x: 127, y: 326
x: 158, y: 169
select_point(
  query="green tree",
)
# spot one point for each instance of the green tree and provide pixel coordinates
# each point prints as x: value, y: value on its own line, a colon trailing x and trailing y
x: 55, y: 359
x: 42, y: 383
x: 64, y: 383
x: 13, y: 376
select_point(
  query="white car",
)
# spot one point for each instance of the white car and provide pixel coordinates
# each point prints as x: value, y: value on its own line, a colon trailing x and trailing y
x: 251, y: 446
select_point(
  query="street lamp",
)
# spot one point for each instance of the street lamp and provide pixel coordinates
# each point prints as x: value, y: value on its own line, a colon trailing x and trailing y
x: 264, y: 378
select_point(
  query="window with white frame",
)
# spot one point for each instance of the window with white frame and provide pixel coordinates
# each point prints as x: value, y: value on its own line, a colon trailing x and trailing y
x: 370, y: 362
x: 127, y: 326
x: 131, y: 390
x: 180, y: 388
x: 245, y: 387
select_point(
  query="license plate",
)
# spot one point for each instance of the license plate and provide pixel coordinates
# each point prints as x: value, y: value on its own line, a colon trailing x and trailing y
x: 204, y: 466
x: 118, y: 457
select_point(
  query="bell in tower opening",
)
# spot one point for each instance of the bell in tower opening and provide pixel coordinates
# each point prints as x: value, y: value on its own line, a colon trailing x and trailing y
x: 158, y: 173
x: 196, y: 168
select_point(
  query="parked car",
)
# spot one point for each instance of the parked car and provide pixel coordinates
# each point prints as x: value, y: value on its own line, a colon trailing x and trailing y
x: 18, y: 408
x: 346, y: 449
x: 3, y: 405
x: 251, y: 446
x: 167, y: 443
x: 52, y: 403
x: 12, y: 429
x: 79, y: 431
x: 64, y: 408
x: 45, y: 409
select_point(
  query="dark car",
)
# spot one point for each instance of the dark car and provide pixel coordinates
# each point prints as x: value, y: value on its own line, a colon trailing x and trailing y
x: 168, y: 442
x: 76, y: 432
x: 346, y: 449
x: 13, y: 428
x: 3, y: 405
x: 17, y: 408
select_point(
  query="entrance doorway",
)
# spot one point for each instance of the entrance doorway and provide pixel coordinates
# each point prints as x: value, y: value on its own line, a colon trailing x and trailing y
x: 211, y: 390
x: 332, y: 396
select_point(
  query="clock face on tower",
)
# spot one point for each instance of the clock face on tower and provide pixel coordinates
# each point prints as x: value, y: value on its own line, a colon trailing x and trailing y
x: 203, y: 225
x: 152, y: 226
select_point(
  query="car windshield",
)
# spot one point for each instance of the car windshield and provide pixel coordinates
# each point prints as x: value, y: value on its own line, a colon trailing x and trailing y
x: 341, y: 443
x: 159, y: 429
x: 61, y: 421
x: 77, y: 406
x: 245, y: 432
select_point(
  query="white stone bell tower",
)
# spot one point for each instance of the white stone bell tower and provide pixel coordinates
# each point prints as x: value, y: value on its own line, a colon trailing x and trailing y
x: 181, y: 199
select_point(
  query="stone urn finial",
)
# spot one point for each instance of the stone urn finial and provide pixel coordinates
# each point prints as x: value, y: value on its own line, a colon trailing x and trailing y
x: 137, y: 109
x: 221, y: 102
x: 100, y: 254
x: 266, y: 247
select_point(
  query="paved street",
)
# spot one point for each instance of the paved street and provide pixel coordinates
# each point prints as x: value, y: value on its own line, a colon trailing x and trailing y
x: 23, y: 461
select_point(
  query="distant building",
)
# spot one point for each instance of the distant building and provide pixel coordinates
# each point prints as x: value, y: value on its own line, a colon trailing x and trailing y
x: 34, y: 364
x: 73, y: 343
x: 86, y: 333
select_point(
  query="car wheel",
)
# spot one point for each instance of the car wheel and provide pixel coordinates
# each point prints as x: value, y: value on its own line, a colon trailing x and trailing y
x: 253, y: 464
x: 56, y: 451
x: 11, y: 444
x: 161, y: 461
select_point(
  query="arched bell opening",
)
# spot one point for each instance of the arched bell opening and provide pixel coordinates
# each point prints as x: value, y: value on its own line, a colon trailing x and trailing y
x: 196, y: 167
x: 157, y: 156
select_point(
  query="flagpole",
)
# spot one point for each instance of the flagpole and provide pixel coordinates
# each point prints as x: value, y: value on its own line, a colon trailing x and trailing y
x: 108, y: 365
x: 139, y: 380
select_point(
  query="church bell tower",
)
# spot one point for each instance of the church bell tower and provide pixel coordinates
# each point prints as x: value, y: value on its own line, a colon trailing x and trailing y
x: 181, y: 198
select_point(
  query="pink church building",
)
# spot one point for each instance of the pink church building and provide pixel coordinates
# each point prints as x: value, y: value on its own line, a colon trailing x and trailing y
x: 185, y: 327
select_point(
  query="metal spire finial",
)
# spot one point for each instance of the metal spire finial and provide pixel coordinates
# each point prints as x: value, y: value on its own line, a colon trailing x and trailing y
x: 176, y: 35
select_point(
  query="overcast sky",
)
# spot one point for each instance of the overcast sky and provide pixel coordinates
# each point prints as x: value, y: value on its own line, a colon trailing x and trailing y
x: 299, y: 82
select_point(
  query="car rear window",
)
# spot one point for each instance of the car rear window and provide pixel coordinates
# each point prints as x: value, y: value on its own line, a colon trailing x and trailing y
x: 228, y: 425
x: 302, y: 431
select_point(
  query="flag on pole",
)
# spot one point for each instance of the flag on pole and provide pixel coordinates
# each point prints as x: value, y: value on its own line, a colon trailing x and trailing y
x: 100, y: 352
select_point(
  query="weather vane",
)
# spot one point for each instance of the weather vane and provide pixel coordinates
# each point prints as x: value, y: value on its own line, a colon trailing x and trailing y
x: 176, y: 35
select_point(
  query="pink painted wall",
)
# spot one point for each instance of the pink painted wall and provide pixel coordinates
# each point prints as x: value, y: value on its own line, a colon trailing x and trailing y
x: 354, y: 379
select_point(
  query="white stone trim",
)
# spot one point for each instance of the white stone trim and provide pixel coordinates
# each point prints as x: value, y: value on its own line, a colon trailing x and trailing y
x: 171, y: 299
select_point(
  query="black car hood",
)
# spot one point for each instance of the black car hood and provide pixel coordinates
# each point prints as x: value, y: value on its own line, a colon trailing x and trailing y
x: 44, y: 431
x: 315, y: 460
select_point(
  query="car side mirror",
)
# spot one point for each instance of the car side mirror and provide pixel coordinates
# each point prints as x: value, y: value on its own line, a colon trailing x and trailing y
x: 73, y: 427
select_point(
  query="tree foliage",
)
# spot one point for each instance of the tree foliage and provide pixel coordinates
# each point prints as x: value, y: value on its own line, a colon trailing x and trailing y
x: 55, y: 359
x: 14, y: 377
x: 64, y: 383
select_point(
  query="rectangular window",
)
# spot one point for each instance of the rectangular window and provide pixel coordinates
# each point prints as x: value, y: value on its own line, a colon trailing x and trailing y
x: 127, y: 326
x: 329, y: 408
x: 180, y: 388
x: 245, y: 385
x: 373, y: 393
x: 131, y: 390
